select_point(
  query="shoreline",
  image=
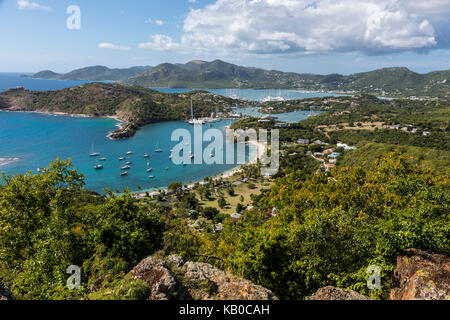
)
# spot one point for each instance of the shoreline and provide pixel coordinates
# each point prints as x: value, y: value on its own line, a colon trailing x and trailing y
x: 260, y: 149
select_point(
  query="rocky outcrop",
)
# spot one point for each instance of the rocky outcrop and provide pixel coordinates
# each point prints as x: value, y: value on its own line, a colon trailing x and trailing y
x: 5, y: 293
x: 162, y: 282
x: 222, y: 285
x: 421, y: 275
x: 333, y: 293
x: 172, y: 278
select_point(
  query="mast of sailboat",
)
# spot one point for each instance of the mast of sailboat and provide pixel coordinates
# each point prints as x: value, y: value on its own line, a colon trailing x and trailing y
x: 192, y: 110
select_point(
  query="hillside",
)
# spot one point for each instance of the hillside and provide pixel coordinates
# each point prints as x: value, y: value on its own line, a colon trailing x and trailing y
x: 220, y: 74
x: 135, y: 106
x: 94, y: 73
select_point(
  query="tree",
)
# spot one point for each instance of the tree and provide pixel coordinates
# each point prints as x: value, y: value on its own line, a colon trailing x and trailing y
x: 328, y: 231
x: 175, y: 187
x: 210, y: 213
x: 49, y: 222
x: 222, y: 202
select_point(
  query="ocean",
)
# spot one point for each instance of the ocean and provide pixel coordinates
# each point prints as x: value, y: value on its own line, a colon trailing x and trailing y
x: 29, y: 141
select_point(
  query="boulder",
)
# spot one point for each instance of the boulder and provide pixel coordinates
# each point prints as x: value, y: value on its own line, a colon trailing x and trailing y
x: 163, y: 284
x: 333, y: 293
x: 223, y: 285
x: 172, y: 278
x: 421, y: 275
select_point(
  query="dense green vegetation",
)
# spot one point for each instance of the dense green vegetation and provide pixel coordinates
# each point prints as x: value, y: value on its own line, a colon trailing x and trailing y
x: 48, y: 222
x: 94, y: 73
x: 437, y: 159
x: 300, y: 230
x: 219, y: 74
x: 329, y: 229
x: 136, y: 106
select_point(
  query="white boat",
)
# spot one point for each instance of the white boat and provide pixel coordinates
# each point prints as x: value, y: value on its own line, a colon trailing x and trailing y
x: 93, y: 153
x: 98, y: 167
x: 273, y: 99
x: 102, y: 159
x: 158, y: 149
x: 146, y: 156
x: 129, y: 152
x: 125, y: 167
x: 128, y: 163
x: 193, y: 120
x: 149, y: 169
x: 151, y: 177
x: 124, y: 173
x: 121, y: 159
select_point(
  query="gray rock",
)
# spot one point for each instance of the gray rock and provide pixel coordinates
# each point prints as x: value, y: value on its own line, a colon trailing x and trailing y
x: 227, y: 286
x: 175, y: 260
x: 163, y: 284
x: 333, y: 293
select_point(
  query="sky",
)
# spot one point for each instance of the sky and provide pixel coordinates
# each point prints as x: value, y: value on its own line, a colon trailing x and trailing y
x: 304, y: 36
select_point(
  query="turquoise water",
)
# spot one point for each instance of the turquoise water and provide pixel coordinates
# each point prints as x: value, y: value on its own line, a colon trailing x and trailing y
x: 37, y: 139
x: 29, y: 141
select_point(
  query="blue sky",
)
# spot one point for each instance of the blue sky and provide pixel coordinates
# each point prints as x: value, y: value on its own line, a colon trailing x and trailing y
x: 322, y: 36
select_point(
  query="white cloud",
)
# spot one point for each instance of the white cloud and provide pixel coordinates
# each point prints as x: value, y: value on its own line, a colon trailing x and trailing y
x: 25, y: 4
x: 160, y: 42
x: 192, y: 1
x: 106, y: 45
x: 159, y: 22
x: 307, y: 26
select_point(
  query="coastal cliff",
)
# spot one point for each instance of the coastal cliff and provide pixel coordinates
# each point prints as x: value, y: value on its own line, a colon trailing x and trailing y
x: 134, y: 106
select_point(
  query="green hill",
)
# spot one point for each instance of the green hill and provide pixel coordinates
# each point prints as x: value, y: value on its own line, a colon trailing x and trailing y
x: 135, y: 106
x: 220, y: 74
x: 93, y: 73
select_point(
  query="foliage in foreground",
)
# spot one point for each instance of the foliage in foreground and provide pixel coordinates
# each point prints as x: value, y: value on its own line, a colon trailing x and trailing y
x: 329, y: 229
x: 48, y: 222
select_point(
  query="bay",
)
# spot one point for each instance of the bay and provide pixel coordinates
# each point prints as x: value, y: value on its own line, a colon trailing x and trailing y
x: 29, y: 141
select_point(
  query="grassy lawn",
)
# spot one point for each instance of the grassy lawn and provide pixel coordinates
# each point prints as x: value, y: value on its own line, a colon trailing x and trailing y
x: 232, y: 201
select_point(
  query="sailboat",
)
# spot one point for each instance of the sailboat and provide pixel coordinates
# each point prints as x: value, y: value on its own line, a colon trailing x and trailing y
x: 146, y: 155
x: 93, y: 153
x: 193, y: 120
x: 158, y: 149
x: 129, y: 152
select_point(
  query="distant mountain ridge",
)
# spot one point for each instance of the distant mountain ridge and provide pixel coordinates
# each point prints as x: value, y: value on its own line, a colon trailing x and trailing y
x: 93, y: 73
x: 398, y: 81
x: 393, y: 82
